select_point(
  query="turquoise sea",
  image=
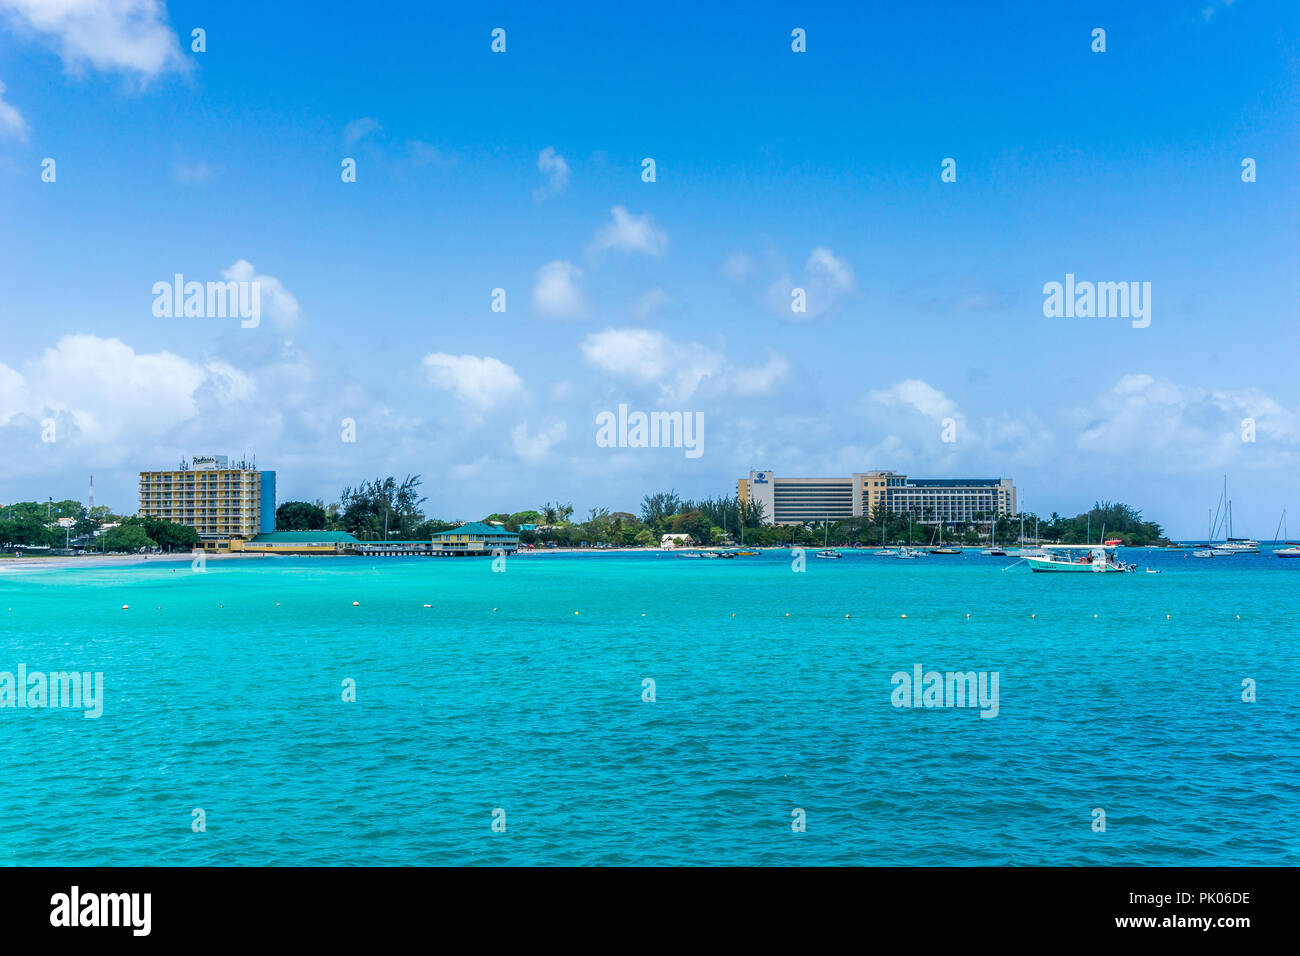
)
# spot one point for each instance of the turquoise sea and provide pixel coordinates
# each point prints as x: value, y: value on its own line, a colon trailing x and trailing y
x: 223, y: 691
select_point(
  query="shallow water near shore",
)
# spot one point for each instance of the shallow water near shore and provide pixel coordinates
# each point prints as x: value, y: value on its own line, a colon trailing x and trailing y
x: 223, y: 691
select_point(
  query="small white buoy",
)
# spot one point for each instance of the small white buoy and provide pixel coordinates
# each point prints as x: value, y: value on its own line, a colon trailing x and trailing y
x: 430, y: 605
x: 125, y: 607
x: 846, y: 617
x: 904, y: 617
x: 356, y: 604
x: 968, y: 615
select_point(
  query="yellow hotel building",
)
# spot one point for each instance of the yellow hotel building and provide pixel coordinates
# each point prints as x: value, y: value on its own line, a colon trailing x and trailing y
x: 218, y: 501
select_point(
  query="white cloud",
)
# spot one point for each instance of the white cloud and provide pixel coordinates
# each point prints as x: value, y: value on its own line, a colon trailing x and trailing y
x: 420, y: 154
x: 125, y: 35
x: 827, y: 281
x: 12, y: 398
x: 737, y: 267
x: 478, y: 383
x: 1173, y: 427
x: 915, y: 394
x: 556, y: 292
x: 648, y: 357
x: 762, y: 379
x: 199, y: 172
x: 534, y: 447
x: 553, y: 166
x: 631, y: 234
x: 277, y: 302
x: 916, y: 426
x: 823, y: 266
x: 11, y: 121
x: 651, y: 302
x: 359, y: 129
x: 107, y: 390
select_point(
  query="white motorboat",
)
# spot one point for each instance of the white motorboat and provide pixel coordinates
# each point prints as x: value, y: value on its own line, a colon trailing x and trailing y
x: 1079, y: 558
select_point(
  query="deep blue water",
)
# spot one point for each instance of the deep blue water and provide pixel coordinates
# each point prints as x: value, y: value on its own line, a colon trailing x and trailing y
x: 500, y: 696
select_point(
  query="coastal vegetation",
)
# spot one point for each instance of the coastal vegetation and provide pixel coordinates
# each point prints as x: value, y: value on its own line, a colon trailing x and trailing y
x: 56, y: 524
x: 393, y: 509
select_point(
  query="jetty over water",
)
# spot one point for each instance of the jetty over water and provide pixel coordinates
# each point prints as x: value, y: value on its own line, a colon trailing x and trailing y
x: 475, y: 538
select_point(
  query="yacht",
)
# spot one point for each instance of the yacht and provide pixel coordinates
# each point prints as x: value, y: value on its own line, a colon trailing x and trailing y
x: 1240, y: 546
x: 1291, y: 549
x: 941, y: 549
x: 993, y: 548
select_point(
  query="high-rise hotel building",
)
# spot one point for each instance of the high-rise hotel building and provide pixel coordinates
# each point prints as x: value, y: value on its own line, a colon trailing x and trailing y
x: 217, y: 500
x: 930, y: 500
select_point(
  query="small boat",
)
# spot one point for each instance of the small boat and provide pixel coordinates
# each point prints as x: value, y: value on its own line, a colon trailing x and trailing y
x: 692, y: 555
x: 1079, y: 558
x: 908, y: 553
x: 1210, y: 551
x: 886, y: 553
x: 746, y: 554
x: 829, y: 553
x: 1291, y: 549
x: 995, y: 552
x: 1151, y: 571
x: 727, y: 554
x: 942, y: 549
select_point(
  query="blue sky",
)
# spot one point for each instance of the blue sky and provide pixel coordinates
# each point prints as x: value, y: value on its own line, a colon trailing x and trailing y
x: 775, y: 170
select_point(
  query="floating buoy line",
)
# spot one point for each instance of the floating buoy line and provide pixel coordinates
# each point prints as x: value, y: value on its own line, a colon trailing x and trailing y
x: 848, y: 616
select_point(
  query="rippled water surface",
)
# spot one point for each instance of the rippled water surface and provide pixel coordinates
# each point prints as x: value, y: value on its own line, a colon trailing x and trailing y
x: 223, y: 691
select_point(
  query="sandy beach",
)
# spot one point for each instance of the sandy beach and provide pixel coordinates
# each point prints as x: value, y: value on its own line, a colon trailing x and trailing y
x: 54, y: 562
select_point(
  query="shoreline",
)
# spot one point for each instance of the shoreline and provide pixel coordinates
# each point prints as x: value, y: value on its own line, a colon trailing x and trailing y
x: 54, y: 562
